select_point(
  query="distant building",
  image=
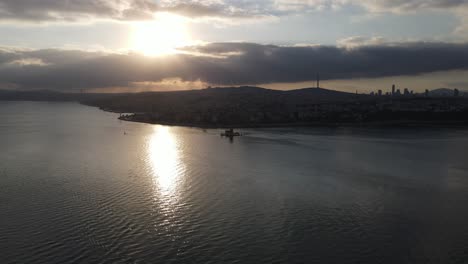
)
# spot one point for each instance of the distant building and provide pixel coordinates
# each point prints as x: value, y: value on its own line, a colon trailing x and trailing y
x: 406, y: 92
x: 398, y: 92
x: 426, y: 93
x: 393, y: 89
x: 456, y: 92
x: 379, y: 92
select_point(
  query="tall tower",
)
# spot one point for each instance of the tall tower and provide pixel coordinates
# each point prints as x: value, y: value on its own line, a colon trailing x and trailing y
x: 318, y: 80
x: 393, y: 89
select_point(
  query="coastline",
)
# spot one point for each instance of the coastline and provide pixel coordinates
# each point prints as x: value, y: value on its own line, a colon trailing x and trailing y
x: 370, y: 124
x: 253, y: 107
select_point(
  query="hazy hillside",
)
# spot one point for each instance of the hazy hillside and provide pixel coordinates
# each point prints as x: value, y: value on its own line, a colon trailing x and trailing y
x: 245, y: 97
x: 445, y: 92
x: 47, y: 95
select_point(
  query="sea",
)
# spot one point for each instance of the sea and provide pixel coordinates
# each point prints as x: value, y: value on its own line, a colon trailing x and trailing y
x: 77, y: 185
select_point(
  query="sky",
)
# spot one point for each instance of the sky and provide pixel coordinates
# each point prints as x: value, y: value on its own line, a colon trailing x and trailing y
x: 140, y: 45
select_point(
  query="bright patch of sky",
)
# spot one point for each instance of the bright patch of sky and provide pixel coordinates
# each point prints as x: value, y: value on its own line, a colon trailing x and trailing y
x: 315, y: 27
x: 96, y: 36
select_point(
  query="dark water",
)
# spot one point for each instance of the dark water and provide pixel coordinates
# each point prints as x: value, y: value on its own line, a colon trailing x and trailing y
x: 75, y: 189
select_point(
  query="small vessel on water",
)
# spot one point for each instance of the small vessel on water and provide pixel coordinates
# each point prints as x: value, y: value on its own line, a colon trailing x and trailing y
x: 230, y: 133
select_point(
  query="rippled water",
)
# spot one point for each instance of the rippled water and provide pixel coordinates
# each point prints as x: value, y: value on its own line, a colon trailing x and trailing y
x: 79, y: 186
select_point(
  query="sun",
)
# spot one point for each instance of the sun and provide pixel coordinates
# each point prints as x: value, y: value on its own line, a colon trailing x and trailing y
x: 161, y: 36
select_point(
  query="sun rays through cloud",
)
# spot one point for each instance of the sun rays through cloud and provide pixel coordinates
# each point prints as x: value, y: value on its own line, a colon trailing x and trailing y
x: 161, y: 36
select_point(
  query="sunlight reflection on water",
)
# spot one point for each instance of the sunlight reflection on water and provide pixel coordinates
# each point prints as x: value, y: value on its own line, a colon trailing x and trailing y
x: 74, y: 188
x: 165, y: 162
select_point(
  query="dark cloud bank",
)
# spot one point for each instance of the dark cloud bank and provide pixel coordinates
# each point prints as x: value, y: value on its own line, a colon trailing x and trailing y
x: 225, y: 64
x: 72, y: 10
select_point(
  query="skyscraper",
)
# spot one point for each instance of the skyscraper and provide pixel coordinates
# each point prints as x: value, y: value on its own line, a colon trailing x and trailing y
x: 406, y: 92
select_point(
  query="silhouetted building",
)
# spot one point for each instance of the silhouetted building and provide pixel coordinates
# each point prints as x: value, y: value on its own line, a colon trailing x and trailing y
x: 379, y: 92
x: 456, y: 92
x: 426, y: 93
x: 406, y: 92
x: 393, y: 89
x: 398, y: 92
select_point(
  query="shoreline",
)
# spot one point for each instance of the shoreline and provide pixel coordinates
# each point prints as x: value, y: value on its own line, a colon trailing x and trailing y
x: 380, y: 124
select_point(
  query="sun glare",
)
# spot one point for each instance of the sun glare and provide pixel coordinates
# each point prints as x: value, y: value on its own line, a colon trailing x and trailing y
x: 161, y: 36
x: 164, y: 158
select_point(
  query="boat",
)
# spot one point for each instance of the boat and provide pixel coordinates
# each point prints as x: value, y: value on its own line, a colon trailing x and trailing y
x: 230, y: 133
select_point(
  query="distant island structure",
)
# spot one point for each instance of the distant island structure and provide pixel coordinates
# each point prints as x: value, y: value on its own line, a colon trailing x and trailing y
x: 247, y: 106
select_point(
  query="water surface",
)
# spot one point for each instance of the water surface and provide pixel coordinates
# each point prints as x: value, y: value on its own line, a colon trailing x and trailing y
x: 79, y: 186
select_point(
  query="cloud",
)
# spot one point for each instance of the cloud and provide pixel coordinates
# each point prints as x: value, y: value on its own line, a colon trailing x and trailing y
x: 395, y: 6
x: 226, y: 64
x: 359, y: 41
x: 403, y: 6
x: 7, y: 56
x: 72, y: 10
x: 220, y: 9
x: 308, y: 5
x: 76, y: 10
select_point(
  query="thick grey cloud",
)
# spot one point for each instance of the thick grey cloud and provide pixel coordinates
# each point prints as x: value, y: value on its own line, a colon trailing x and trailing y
x: 71, y: 10
x: 227, y: 64
x: 7, y: 56
x: 224, y: 8
x: 411, y: 5
x: 373, y: 5
x: 50, y: 10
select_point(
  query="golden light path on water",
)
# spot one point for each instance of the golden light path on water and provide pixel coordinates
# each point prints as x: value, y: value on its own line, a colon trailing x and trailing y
x: 164, y: 156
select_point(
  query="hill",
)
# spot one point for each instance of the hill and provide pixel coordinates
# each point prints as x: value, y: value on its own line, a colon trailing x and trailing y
x: 445, y: 92
x: 255, y: 106
x: 219, y: 99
